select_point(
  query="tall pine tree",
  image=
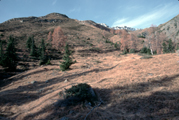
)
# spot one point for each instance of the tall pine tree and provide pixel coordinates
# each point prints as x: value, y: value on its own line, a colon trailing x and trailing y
x: 33, y: 48
x: 43, y: 57
x: 10, y: 58
x: 29, y: 43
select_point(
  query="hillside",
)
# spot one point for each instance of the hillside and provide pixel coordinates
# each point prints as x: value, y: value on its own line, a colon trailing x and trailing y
x: 171, y: 29
x: 76, y: 31
x: 132, y: 86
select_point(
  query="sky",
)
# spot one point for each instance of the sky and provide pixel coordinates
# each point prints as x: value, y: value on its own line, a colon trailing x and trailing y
x: 131, y: 13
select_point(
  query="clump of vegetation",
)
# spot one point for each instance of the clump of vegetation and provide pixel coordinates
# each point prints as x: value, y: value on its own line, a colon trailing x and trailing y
x: 117, y: 46
x: 9, y: 59
x: 146, y: 57
x: 145, y: 50
x: 67, y: 60
x: 175, y: 24
x: 168, y: 47
x: 132, y: 51
x: 177, y: 33
x: 143, y: 35
x: 95, y: 49
x: 43, y: 57
x: 80, y: 94
x: 168, y: 28
x: 31, y: 46
x: 29, y: 43
x: 125, y: 51
x: 107, y: 41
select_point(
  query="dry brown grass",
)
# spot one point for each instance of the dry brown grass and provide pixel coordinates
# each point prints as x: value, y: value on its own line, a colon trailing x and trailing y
x: 131, y: 88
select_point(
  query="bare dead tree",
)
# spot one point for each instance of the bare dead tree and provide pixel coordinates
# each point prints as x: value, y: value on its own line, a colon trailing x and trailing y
x: 150, y: 38
x: 58, y: 38
x: 133, y: 41
x: 124, y: 40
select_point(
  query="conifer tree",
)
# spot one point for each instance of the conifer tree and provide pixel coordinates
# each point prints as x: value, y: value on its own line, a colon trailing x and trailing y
x: 67, y: 61
x: 1, y: 50
x: 29, y: 43
x: 164, y: 47
x: 43, y: 57
x: 10, y: 59
x: 168, y: 48
x: 171, y: 47
x: 33, y: 48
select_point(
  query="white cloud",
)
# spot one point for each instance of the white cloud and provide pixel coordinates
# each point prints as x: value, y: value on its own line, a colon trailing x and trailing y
x: 159, y: 13
x: 54, y: 2
x: 75, y: 10
x: 119, y: 21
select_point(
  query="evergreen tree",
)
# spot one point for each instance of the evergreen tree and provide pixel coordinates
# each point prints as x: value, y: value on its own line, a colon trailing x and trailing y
x: 168, y: 48
x: 29, y: 43
x: 165, y: 48
x: 171, y: 47
x: 9, y: 59
x: 33, y: 48
x: 1, y: 52
x: 67, y: 61
x: 43, y: 57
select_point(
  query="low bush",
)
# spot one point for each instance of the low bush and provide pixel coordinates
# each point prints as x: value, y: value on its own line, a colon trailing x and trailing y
x: 79, y: 94
x: 132, y: 51
x: 145, y: 50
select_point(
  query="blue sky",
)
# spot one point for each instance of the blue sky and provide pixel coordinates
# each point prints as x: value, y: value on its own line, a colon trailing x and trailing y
x: 132, y: 13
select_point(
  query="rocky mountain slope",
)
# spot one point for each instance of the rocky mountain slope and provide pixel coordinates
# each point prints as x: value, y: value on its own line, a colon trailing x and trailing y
x: 76, y: 31
x: 171, y: 29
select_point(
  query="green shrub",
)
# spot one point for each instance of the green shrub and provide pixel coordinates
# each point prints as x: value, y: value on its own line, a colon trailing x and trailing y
x: 117, y: 46
x: 177, y: 33
x: 168, y: 28
x: 83, y: 92
x: 146, y: 57
x: 48, y: 62
x: 132, y: 51
x: 95, y: 49
x: 169, y: 47
x: 175, y: 24
x: 142, y: 41
x: 124, y: 52
x: 107, y: 41
x: 145, y: 50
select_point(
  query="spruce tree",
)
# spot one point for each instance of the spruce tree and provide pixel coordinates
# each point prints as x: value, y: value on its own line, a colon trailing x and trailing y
x: 67, y: 61
x: 168, y: 48
x: 29, y: 43
x: 10, y: 59
x: 33, y: 48
x: 171, y: 47
x: 165, y: 48
x: 43, y: 57
x: 1, y: 52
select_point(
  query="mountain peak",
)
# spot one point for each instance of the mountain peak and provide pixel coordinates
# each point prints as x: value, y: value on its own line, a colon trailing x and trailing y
x: 56, y: 15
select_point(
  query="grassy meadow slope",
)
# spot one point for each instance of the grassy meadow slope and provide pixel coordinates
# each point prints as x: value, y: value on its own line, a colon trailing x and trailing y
x: 131, y: 88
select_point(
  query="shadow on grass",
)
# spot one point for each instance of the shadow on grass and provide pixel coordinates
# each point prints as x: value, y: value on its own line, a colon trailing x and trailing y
x: 129, y: 102
x: 97, y: 50
x: 17, y: 95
